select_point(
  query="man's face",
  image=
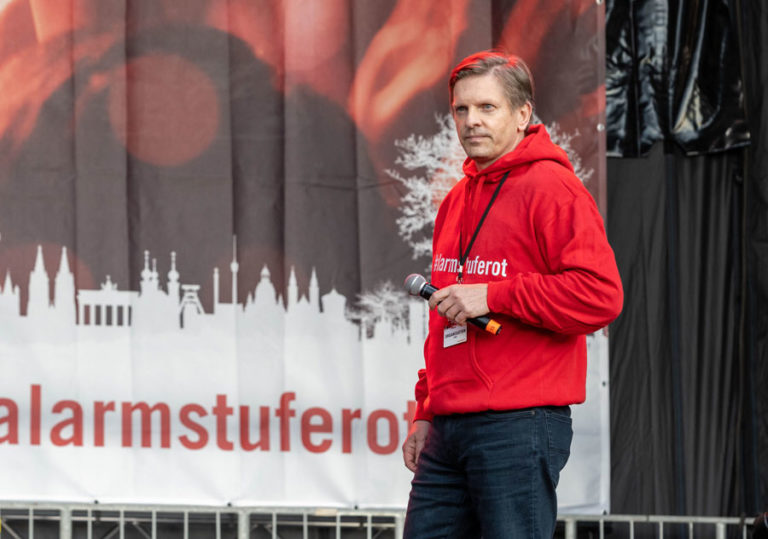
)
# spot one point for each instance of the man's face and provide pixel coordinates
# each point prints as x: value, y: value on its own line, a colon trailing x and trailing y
x: 487, y: 125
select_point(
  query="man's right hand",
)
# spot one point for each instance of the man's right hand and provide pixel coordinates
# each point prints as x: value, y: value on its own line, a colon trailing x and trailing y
x: 415, y: 442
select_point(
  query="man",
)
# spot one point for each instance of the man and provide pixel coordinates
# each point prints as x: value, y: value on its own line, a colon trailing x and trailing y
x: 521, y: 238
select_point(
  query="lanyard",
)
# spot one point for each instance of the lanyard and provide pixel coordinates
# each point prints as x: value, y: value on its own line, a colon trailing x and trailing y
x: 463, y: 256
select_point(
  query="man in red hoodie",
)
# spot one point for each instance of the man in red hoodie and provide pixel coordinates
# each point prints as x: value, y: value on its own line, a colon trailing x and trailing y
x: 521, y: 238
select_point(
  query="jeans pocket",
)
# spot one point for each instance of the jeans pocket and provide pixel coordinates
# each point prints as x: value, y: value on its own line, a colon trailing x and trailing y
x: 559, y: 436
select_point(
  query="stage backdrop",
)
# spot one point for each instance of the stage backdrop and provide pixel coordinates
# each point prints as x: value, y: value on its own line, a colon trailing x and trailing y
x: 206, y: 212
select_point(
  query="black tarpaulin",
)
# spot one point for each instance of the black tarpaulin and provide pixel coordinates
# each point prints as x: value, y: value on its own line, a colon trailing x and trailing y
x: 673, y: 73
x: 675, y: 367
x: 754, y: 15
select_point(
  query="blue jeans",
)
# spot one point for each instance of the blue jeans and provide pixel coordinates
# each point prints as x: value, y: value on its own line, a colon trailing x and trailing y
x: 490, y: 474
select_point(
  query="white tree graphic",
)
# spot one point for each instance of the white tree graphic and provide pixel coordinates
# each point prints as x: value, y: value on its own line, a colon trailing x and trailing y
x: 563, y: 139
x: 438, y: 158
x: 387, y: 303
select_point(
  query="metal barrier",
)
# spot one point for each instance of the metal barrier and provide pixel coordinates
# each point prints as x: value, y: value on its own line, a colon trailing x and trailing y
x: 89, y: 521
x: 627, y: 526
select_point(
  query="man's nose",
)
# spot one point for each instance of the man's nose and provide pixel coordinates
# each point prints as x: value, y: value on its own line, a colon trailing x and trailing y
x: 473, y: 117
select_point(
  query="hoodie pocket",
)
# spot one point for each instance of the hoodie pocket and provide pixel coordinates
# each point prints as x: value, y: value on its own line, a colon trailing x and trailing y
x: 475, y: 363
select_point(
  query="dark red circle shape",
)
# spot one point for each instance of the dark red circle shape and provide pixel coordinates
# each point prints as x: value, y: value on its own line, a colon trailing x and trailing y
x: 163, y: 109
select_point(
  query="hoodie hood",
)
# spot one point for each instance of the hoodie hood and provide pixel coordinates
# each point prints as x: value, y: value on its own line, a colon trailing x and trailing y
x: 535, y: 146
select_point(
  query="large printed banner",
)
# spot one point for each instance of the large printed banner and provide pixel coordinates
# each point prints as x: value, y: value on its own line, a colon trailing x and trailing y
x: 206, y: 212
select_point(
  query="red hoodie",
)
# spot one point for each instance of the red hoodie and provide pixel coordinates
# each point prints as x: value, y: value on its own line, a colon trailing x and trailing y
x: 552, y: 279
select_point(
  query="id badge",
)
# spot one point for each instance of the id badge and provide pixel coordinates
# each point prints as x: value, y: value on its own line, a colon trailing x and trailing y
x: 453, y: 335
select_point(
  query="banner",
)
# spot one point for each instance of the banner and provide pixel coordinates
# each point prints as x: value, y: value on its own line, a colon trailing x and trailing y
x: 205, y: 216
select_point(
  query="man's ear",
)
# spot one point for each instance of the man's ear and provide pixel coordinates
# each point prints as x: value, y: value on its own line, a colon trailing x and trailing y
x: 524, y: 114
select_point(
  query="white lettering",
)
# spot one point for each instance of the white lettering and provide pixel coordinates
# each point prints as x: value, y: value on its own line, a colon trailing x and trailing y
x: 475, y: 266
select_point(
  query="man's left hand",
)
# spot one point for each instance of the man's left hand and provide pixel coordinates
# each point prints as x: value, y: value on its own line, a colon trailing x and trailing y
x: 461, y: 301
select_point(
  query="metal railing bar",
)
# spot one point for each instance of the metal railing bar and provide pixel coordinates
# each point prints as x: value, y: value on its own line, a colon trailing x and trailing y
x: 674, y: 519
x: 154, y: 525
x: 11, y: 532
x: 138, y: 527
x: 31, y: 524
x: 349, y: 525
x: 111, y: 532
x: 218, y: 525
x: 186, y: 525
x: 667, y: 519
x: 202, y: 509
x: 369, y: 521
x: 399, y: 526
x: 607, y: 518
x: 304, y: 526
x: 65, y: 523
x: 122, y: 524
x: 146, y: 519
x: 570, y: 528
x: 720, y: 530
x: 37, y: 517
x: 274, y: 525
x: 243, y: 525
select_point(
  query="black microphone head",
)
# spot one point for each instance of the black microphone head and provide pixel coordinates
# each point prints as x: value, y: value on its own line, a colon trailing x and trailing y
x: 414, y: 283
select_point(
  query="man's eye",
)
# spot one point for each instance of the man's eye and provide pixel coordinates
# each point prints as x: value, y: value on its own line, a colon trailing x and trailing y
x: 461, y: 109
x: 488, y: 106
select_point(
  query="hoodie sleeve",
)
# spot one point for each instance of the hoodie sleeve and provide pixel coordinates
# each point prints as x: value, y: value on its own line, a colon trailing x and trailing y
x: 581, y: 292
x: 423, y: 411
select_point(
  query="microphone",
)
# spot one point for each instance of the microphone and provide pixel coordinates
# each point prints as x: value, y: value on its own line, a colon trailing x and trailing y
x: 417, y: 285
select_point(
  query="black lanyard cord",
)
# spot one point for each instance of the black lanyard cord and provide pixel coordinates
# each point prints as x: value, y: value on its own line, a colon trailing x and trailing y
x: 463, y: 256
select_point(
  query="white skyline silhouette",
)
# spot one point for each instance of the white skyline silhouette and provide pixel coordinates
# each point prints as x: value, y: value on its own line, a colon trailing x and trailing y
x: 162, y: 305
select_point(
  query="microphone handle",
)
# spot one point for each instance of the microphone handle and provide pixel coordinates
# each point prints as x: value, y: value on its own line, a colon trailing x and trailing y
x: 483, y: 322
x: 427, y: 290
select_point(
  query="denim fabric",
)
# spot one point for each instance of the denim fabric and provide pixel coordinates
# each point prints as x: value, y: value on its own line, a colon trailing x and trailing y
x: 490, y: 474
